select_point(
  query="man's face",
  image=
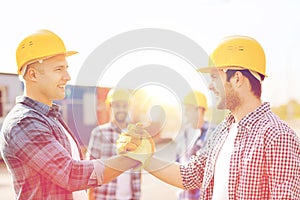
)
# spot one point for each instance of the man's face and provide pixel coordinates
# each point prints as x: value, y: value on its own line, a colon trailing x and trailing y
x: 119, y: 110
x: 193, y: 114
x: 51, y: 77
x: 226, y: 96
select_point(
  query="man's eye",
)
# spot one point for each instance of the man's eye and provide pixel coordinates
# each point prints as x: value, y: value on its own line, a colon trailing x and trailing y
x: 59, y: 69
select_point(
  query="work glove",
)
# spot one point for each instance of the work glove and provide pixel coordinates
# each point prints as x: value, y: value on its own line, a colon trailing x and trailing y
x: 136, y: 143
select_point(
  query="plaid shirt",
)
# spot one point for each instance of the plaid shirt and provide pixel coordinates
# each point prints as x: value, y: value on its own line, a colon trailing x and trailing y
x: 265, y: 163
x: 191, y: 149
x: 38, y: 153
x: 102, y: 144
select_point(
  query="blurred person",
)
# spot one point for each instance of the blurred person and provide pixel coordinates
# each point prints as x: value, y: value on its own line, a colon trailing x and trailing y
x: 252, y: 153
x: 40, y: 151
x: 193, y: 135
x: 102, y: 144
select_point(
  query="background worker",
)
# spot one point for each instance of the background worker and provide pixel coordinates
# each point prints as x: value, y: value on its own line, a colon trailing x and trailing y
x: 40, y: 151
x: 102, y: 144
x: 252, y: 154
x: 193, y: 135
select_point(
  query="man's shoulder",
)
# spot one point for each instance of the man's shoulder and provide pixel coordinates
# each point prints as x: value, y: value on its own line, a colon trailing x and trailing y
x: 103, y: 128
x: 209, y: 126
x: 269, y: 127
x: 24, y: 122
x: 274, y: 122
x: 20, y: 113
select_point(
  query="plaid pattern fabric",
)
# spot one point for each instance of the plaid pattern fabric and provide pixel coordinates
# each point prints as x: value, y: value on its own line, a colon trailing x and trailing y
x: 38, y: 153
x: 265, y: 163
x: 102, y: 144
x: 191, y: 150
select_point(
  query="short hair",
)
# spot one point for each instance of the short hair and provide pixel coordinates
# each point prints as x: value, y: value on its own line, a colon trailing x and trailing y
x: 255, y: 84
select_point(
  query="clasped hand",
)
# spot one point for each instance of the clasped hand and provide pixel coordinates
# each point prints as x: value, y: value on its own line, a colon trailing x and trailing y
x: 136, y: 143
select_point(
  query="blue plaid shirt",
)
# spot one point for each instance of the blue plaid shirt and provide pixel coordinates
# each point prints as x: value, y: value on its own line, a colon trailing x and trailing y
x: 38, y: 153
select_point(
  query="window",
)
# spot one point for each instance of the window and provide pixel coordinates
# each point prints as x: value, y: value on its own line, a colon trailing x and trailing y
x: 2, y: 101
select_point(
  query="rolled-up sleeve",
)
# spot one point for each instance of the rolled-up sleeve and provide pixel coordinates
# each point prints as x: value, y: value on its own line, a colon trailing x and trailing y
x: 192, y: 173
x: 98, y: 171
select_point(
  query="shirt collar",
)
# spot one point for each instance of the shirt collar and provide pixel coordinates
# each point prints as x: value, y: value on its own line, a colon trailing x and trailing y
x: 54, y: 110
x: 252, y: 117
x: 116, y: 128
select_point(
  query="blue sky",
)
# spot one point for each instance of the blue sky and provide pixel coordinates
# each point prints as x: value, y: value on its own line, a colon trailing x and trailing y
x: 84, y: 25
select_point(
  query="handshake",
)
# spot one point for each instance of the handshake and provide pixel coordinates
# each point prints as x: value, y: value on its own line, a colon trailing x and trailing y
x: 136, y: 143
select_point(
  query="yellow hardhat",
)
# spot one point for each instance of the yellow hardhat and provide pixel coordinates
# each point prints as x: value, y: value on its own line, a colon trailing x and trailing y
x: 117, y: 94
x: 195, y: 98
x: 238, y: 52
x: 40, y: 45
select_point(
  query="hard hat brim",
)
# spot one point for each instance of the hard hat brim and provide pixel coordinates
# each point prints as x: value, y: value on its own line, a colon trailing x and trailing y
x: 70, y: 53
x: 209, y: 69
x: 205, y: 69
x: 67, y: 53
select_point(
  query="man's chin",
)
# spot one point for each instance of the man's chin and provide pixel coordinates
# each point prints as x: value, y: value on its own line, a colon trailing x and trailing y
x: 221, y: 105
x: 120, y: 121
x: 60, y: 97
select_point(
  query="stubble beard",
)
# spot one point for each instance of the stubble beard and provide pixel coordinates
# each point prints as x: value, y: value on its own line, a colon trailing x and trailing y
x: 119, y: 119
x: 230, y: 100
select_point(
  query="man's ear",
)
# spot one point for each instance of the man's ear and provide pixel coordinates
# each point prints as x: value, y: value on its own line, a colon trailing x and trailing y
x: 31, y: 74
x: 238, y: 78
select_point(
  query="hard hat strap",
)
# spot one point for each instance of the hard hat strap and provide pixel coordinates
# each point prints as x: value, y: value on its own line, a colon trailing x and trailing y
x: 256, y: 75
x: 24, y: 70
x: 25, y: 67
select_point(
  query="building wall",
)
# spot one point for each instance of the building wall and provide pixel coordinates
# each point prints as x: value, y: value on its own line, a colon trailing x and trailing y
x: 83, y: 109
x: 10, y: 88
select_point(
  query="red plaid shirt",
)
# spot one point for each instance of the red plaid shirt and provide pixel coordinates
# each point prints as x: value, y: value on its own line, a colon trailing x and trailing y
x: 265, y: 163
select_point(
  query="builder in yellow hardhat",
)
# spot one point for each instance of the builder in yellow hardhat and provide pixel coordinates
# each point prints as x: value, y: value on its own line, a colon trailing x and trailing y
x: 237, y: 54
x: 118, y: 101
x: 193, y: 135
x: 195, y: 105
x: 102, y: 145
x: 252, y: 154
x: 39, y: 149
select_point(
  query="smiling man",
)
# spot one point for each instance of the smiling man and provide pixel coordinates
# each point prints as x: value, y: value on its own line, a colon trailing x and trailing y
x: 42, y: 154
x: 252, y: 154
x: 102, y: 144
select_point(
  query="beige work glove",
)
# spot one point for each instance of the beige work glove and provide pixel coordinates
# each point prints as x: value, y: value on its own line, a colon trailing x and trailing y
x: 136, y: 143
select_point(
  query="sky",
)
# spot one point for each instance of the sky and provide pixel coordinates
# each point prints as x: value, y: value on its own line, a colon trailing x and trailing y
x: 85, y: 25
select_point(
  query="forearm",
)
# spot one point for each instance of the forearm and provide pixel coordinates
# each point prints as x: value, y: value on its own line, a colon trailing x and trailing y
x: 165, y: 171
x: 116, y: 165
x: 90, y: 193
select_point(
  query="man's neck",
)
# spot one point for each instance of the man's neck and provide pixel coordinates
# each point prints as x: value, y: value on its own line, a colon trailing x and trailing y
x: 245, y: 108
x: 198, y: 124
x: 33, y: 96
x: 121, y: 125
